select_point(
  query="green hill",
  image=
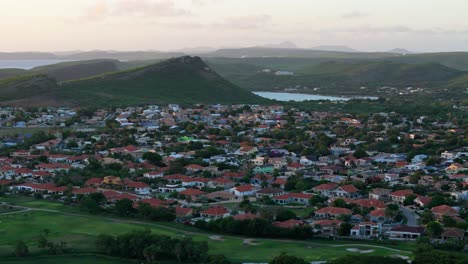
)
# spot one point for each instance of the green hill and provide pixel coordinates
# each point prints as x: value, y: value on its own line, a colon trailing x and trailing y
x: 184, y: 80
x: 28, y: 90
x: 11, y: 72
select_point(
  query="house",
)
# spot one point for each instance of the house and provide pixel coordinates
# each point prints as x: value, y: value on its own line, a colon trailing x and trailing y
x: 183, y: 212
x: 348, y: 191
x: 153, y: 174
x: 112, y: 180
x: 366, y: 230
x: 215, y: 212
x: 453, y: 233
x: 221, y: 196
x: 247, y: 216
x: 192, y: 192
x: 443, y: 210
x: 380, y: 194
x: 243, y: 190
x: 400, y: 196
x: 331, y: 212
x: 289, y: 198
x: 454, y: 168
x: 221, y: 182
x: 327, y: 226
x: 325, y: 189
x: 140, y: 188
x: 422, y: 201
x: 379, y: 216
x: 270, y: 192
x: 404, y: 232
x: 246, y: 150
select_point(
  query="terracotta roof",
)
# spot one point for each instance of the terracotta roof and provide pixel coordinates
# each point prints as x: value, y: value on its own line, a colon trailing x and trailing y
x: 334, y: 211
x: 377, y: 213
x: 293, y: 195
x: 401, y: 193
x: 408, y: 229
x: 444, y: 210
x: 247, y: 216
x: 325, y: 187
x: 244, y: 188
x: 192, y: 192
x: 216, y: 210
x: 84, y: 190
x: 451, y: 232
x: 327, y: 222
x: 183, y: 211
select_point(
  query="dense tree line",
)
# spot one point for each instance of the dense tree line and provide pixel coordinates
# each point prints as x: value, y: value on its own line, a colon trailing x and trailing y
x: 93, y: 203
x: 254, y: 228
x: 143, y: 245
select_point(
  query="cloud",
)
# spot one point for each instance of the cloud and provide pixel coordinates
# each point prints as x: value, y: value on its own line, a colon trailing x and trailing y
x: 353, y: 15
x: 102, y: 9
x: 244, y: 22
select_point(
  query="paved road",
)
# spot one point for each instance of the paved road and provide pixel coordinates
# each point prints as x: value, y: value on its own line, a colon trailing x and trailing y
x: 410, y: 215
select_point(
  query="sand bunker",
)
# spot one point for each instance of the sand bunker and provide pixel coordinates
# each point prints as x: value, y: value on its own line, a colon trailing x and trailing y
x: 216, y: 238
x: 357, y: 250
x: 400, y: 256
x: 250, y: 242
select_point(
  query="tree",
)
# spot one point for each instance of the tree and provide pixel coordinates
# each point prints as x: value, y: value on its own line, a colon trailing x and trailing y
x: 21, y: 249
x: 152, y: 157
x: 285, y: 214
x: 345, y: 229
x: 427, y: 217
x: 360, y: 152
x: 409, y: 199
x: 434, y: 229
x: 124, y: 207
x: 286, y: 259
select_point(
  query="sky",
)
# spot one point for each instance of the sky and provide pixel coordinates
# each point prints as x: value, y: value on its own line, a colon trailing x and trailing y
x: 368, y: 25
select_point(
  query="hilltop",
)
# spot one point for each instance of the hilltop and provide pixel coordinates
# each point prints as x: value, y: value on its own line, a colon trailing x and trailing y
x: 185, y: 80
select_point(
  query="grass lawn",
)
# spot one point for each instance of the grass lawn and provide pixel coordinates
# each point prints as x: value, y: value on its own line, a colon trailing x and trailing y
x: 68, y: 259
x: 79, y: 231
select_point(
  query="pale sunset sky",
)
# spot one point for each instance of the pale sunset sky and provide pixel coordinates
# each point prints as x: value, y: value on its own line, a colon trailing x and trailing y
x: 369, y: 25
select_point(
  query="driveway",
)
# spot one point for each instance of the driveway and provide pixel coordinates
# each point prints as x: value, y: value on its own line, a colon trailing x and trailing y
x: 410, y: 215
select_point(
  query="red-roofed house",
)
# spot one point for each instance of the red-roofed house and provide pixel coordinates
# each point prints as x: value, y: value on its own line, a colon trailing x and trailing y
x: 215, y: 212
x: 248, y: 216
x: 400, y: 196
x: 441, y: 210
x: 243, y: 190
x: 325, y: 189
x: 183, y: 211
x: 331, y: 212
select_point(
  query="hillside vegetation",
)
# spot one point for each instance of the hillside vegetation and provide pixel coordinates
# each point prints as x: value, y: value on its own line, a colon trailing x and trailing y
x: 185, y: 80
x: 344, y: 77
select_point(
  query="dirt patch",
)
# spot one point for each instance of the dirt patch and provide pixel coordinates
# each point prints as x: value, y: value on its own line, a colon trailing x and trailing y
x: 357, y: 250
x: 216, y: 238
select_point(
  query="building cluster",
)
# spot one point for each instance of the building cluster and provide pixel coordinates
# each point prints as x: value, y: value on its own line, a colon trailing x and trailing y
x: 382, y: 175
